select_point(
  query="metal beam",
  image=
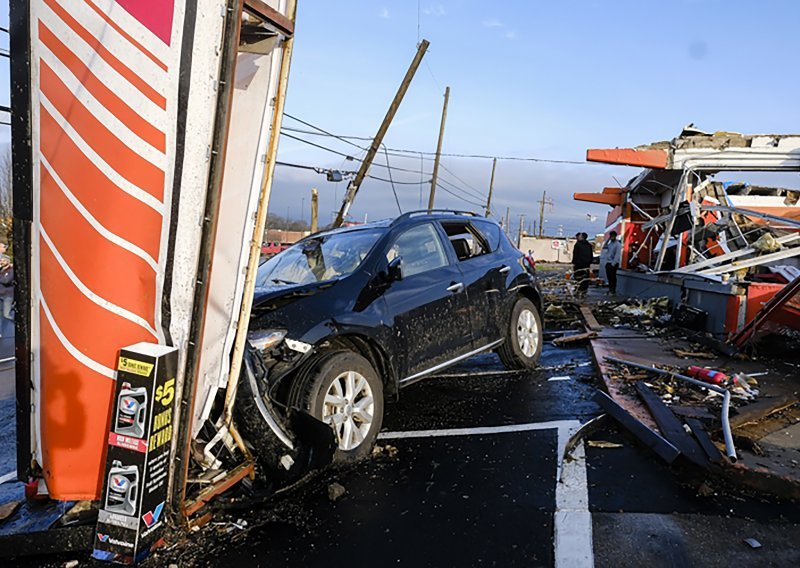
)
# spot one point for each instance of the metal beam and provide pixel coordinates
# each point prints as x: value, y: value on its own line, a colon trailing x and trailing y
x: 755, y: 261
x: 732, y: 255
x: 270, y: 15
x: 751, y: 213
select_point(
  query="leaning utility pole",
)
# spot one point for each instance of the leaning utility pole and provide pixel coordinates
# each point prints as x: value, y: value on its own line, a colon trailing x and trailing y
x: 352, y: 189
x: 507, y: 225
x: 438, y: 150
x: 314, y: 209
x: 542, y: 203
x: 491, y: 186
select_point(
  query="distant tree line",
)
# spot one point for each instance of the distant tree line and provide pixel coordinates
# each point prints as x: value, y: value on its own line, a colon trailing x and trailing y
x: 285, y: 224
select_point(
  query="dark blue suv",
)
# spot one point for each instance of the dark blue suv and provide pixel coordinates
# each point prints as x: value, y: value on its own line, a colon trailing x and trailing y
x: 346, y: 318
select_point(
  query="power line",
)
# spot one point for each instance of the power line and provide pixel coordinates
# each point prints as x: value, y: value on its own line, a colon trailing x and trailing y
x: 325, y: 132
x: 346, y: 156
x: 475, y: 191
x: 347, y: 139
x: 394, y: 190
x: 387, y: 153
x: 459, y: 197
x: 349, y: 173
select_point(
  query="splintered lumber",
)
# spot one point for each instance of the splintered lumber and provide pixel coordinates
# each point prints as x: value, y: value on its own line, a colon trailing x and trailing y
x: 566, y: 339
x: 588, y: 317
x: 758, y: 410
x: 711, y: 450
x: 670, y: 426
x: 662, y: 447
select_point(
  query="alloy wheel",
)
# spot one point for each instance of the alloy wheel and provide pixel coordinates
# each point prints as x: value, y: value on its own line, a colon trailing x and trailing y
x: 348, y: 408
x: 527, y: 333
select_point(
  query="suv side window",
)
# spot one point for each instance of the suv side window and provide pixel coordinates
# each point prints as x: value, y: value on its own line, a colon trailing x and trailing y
x: 465, y: 239
x: 490, y: 231
x: 420, y: 248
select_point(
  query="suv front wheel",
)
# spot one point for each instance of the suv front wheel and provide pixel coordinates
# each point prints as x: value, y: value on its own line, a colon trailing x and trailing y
x: 344, y: 391
x: 523, y: 345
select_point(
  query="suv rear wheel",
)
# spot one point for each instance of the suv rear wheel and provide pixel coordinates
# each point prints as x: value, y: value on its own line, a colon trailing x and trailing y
x: 523, y: 345
x: 344, y: 391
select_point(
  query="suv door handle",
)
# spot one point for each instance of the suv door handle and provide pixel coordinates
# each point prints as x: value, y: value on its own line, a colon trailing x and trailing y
x: 504, y: 269
x: 456, y: 288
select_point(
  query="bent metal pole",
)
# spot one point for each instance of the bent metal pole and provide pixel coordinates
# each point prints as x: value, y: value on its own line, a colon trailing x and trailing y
x: 730, y: 450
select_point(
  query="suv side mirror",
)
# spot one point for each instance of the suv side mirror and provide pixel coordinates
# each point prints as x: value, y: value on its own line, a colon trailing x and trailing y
x: 396, y: 269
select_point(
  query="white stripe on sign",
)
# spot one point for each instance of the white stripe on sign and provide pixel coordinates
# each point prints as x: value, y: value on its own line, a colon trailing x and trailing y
x: 572, y: 521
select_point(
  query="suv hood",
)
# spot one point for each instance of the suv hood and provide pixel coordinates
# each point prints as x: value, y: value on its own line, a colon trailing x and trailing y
x: 275, y: 296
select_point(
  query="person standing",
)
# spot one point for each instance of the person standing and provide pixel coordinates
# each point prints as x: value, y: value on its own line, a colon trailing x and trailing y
x: 581, y: 260
x: 613, y: 251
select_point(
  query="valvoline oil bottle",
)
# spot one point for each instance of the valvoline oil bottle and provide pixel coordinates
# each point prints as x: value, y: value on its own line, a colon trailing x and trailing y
x: 708, y: 375
x: 131, y: 411
x: 123, y: 488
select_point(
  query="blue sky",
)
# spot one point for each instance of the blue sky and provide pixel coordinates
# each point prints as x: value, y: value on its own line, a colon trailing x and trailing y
x: 538, y: 79
x: 528, y: 79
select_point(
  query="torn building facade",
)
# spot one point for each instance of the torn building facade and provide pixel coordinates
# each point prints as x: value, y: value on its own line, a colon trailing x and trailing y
x: 722, y: 249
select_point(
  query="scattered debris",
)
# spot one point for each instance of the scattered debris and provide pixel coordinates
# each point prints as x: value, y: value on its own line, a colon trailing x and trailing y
x: 564, y: 378
x: 555, y: 312
x: 8, y: 509
x: 387, y: 450
x: 752, y: 543
x: 569, y: 339
x: 70, y: 564
x: 336, y: 491
x: 730, y: 450
x: 603, y: 444
x: 662, y: 447
x: 693, y: 354
x: 767, y: 243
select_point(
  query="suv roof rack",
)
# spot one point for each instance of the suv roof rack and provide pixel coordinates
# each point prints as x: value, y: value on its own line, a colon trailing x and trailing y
x: 410, y: 214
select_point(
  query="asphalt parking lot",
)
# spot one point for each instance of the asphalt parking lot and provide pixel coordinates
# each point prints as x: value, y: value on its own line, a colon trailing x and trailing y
x: 468, y: 477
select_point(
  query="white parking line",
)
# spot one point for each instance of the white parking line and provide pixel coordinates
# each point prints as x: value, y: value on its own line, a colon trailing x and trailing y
x: 8, y: 477
x: 572, y: 521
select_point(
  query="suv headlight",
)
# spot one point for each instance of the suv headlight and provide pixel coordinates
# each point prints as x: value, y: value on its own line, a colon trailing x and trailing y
x: 261, y: 340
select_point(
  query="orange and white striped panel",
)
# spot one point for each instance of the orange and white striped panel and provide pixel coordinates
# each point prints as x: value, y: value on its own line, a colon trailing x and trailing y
x: 103, y: 95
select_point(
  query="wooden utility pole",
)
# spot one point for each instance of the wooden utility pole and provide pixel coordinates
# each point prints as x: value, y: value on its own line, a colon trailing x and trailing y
x: 491, y: 186
x: 352, y: 189
x: 314, y: 209
x: 542, y: 203
x: 508, y: 221
x: 521, y: 224
x: 438, y: 150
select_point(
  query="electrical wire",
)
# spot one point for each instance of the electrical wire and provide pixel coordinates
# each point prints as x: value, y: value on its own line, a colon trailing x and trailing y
x: 394, y: 190
x: 474, y: 194
x: 443, y: 188
x: 348, y: 156
x: 348, y: 173
x: 347, y: 139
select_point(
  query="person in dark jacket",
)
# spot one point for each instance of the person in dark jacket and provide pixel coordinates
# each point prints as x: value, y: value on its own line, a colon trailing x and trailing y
x: 582, y: 254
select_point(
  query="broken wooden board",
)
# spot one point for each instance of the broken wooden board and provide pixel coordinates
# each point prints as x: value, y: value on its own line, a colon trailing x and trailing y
x: 693, y: 354
x: 671, y: 427
x: 606, y: 346
x: 662, y: 447
x: 693, y: 412
x: 761, y: 409
x: 702, y: 437
x: 568, y: 339
x: 591, y: 322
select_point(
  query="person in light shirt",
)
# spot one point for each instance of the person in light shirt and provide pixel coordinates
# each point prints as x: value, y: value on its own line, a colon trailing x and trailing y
x: 613, y: 253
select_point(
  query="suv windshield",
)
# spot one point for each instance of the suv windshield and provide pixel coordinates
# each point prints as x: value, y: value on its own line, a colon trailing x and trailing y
x: 325, y: 257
